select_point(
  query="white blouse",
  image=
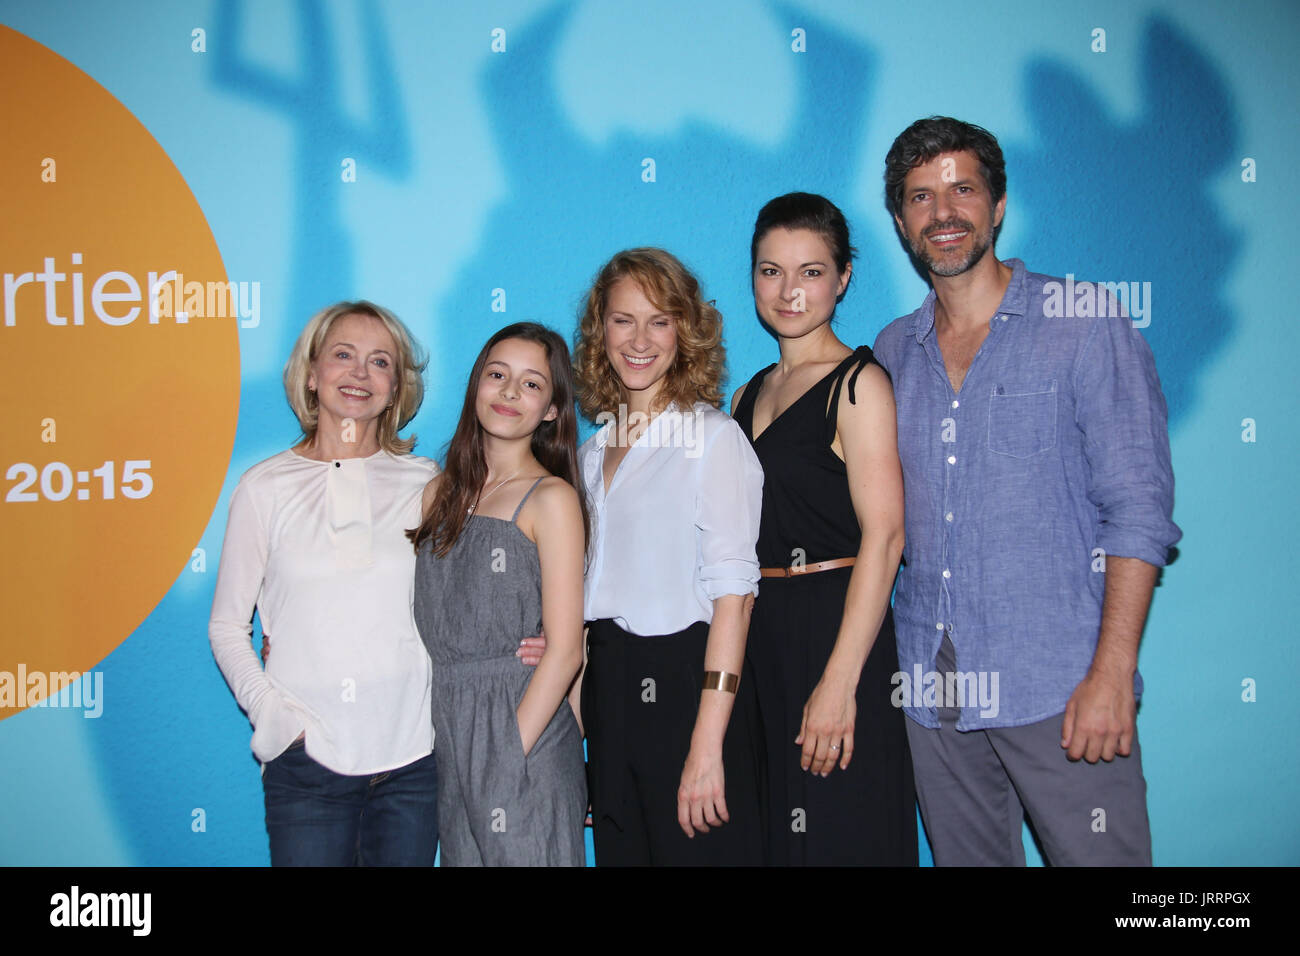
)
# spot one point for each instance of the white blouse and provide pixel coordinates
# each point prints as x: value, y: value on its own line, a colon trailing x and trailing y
x: 679, y: 525
x: 319, y: 548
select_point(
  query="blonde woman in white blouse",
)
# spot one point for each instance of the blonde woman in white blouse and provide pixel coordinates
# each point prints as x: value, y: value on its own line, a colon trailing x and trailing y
x: 315, y: 541
x: 675, y: 492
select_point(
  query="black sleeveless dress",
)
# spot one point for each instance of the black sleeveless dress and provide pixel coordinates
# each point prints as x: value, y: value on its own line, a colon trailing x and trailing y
x: 865, y: 815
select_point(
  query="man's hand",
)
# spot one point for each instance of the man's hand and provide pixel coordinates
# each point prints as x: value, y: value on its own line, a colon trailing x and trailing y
x: 1100, y: 718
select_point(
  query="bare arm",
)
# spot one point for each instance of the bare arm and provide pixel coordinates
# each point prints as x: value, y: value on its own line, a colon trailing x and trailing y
x: 735, y: 399
x: 1102, y: 712
x: 868, y: 434
x: 556, y: 526
x: 426, y: 499
x: 575, y: 692
x: 727, y: 514
x: 701, y: 798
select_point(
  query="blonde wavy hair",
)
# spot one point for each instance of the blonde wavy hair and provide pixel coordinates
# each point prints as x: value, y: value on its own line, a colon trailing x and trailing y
x: 408, y: 380
x: 696, y: 372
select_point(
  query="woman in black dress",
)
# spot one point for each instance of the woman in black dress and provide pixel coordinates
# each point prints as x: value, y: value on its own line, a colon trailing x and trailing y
x: 821, y: 642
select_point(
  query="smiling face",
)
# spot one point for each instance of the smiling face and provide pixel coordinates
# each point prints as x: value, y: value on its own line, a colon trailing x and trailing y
x: 354, y: 376
x: 515, y: 389
x: 640, y: 340
x: 948, y: 214
x: 796, y: 283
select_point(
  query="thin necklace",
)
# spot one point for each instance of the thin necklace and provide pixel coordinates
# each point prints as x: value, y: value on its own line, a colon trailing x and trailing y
x: 482, y: 498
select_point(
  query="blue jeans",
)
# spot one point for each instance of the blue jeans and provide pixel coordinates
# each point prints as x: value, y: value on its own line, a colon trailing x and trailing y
x: 316, y: 817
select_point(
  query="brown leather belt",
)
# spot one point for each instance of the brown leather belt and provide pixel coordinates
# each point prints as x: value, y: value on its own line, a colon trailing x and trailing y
x: 807, y: 568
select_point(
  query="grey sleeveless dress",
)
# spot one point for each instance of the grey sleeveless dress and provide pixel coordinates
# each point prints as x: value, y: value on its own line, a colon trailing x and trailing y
x: 496, y: 807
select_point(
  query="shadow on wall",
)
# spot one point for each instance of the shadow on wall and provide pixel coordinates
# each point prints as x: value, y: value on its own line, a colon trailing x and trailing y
x: 322, y: 254
x: 1131, y: 201
x: 324, y: 134
x: 570, y: 205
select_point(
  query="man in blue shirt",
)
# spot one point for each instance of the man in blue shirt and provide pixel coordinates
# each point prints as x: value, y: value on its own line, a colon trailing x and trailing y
x: 1035, y: 451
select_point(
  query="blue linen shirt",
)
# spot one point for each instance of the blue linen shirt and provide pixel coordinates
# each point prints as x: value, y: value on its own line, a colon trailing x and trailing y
x: 1054, y: 454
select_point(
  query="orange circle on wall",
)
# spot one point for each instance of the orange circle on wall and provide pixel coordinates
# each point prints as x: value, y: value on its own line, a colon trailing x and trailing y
x: 119, y: 424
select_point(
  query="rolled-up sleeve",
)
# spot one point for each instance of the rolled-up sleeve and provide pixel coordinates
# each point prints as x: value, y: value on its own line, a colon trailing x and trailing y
x: 728, y: 505
x: 1122, y: 413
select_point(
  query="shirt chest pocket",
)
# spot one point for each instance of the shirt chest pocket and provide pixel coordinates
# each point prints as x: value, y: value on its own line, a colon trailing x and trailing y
x: 1022, y: 419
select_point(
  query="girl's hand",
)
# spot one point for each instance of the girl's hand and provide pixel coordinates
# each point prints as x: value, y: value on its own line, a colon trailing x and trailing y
x: 701, y: 797
x: 826, y: 733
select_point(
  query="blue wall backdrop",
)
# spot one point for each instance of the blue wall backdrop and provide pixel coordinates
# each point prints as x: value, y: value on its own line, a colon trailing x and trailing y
x: 1156, y: 151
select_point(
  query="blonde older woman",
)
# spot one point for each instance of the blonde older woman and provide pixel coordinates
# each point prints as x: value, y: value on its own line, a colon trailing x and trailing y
x: 315, y: 541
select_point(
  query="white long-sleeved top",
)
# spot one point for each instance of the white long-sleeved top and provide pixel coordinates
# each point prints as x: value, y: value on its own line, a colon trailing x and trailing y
x: 679, y: 525
x: 318, y: 547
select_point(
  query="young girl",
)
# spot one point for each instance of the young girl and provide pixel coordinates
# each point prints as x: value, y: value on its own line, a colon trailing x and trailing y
x: 822, y: 637
x: 498, y: 555
x: 668, y: 706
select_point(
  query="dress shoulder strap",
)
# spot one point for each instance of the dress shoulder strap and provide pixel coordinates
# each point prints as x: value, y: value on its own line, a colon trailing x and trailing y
x: 520, y: 506
x: 851, y: 366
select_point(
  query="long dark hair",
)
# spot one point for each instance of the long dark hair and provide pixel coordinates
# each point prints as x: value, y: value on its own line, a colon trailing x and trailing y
x: 554, y: 444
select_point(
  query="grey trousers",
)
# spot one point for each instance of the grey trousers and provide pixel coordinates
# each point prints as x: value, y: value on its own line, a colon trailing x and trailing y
x: 975, y: 787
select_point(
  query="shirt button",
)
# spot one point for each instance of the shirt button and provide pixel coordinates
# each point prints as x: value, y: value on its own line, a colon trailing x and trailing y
x: 947, y: 573
x: 955, y: 403
x: 948, y: 516
x: 338, y: 464
x: 939, y: 625
x: 952, y: 459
